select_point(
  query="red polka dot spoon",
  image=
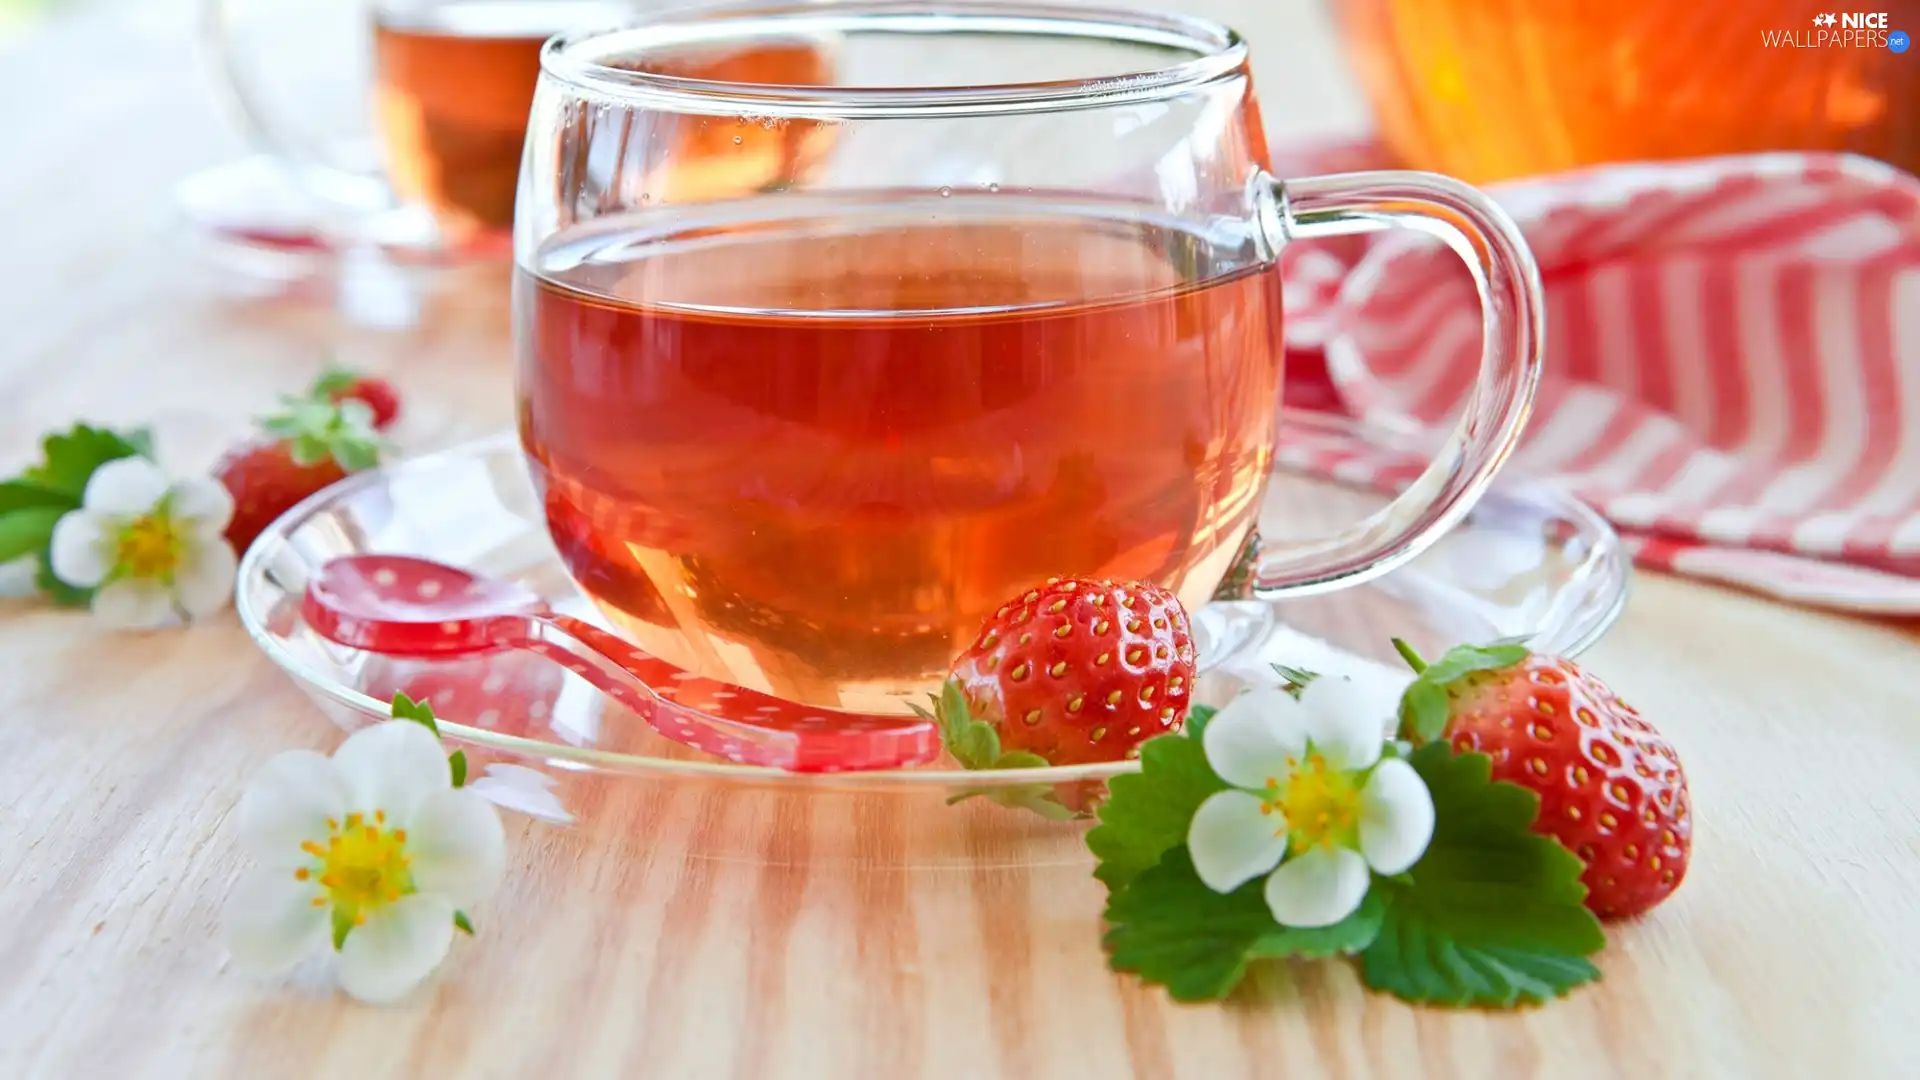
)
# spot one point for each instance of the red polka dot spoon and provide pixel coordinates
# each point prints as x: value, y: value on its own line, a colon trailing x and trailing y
x: 405, y: 606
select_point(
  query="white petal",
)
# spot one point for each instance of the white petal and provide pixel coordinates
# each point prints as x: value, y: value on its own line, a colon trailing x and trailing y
x: 288, y: 804
x: 1342, y: 721
x: 516, y: 787
x: 128, y: 487
x: 271, y: 922
x: 1319, y: 888
x: 204, y: 582
x: 391, y: 766
x: 457, y: 847
x: 204, y: 503
x: 82, y: 550
x: 1396, y: 817
x: 1232, y: 842
x: 1250, y: 741
x: 397, y: 947
x: 133, y: 604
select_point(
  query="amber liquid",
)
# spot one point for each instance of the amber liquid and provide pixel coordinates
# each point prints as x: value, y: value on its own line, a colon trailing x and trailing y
x: 811, y: 455
x: 454, y: 86
x: 1492, y: 89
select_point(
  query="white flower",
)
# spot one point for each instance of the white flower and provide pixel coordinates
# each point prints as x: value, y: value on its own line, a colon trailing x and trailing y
x: 1313, y: 804
x: 152, y: 547
x: 375, y: 842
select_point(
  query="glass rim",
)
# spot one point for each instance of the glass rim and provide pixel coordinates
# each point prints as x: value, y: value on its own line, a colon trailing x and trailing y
x: 573, y: 58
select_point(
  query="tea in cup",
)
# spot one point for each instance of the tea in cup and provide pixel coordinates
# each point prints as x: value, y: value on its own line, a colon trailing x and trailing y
x: 1020, y: 320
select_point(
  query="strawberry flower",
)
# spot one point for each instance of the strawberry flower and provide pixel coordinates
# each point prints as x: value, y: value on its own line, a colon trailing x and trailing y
x: 1314, y: 806
x: 375, y: 845
x: 150, y: 546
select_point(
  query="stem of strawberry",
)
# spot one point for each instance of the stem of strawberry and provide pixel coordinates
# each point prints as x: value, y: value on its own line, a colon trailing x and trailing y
x: 1407, y: 653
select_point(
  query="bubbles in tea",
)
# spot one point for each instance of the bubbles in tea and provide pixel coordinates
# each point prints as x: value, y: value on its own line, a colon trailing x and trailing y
x: 809, y: 452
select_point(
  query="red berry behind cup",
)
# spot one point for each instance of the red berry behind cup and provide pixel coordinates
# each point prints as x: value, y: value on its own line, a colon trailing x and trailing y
x: 1611, y: 787
x: 377, y: 394
x: 313, y: 444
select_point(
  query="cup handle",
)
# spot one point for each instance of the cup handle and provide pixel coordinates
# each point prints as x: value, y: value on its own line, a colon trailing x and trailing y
x: 1489, y: 428
x: 319, y: 176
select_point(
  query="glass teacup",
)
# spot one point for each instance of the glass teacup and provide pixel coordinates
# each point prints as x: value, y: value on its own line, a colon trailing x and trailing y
x: 1018, y: 318
x: 447, y: 87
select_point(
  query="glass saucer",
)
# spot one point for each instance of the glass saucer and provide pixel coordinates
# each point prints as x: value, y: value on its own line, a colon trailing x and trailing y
x: 1528, y: 563
x: 267, y: 218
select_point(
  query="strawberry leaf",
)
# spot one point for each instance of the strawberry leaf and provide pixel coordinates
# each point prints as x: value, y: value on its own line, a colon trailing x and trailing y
x: 27, y: 531
x: 420, y: 712
x: 1146, y: 813
x: 1425, y: 708
x: 69, y: 458
x: 457, y: 765
x: 976, y: 746
x: 973, y: 743
x: 1492, y: 914
x: 462, y: 923
x: 317, y: 429
x: 1296, y: 678
x: 1170, y: 928
x: 333, y: 380
x: 21, y: 495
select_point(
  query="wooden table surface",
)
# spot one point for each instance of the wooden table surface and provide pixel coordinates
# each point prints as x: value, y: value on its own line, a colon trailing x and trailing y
x: 627, y: 948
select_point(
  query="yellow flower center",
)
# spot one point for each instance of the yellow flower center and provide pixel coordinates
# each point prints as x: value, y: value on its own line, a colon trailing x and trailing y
x: 362, y: 866
x: 150, y: 547
x: 1321, y: 804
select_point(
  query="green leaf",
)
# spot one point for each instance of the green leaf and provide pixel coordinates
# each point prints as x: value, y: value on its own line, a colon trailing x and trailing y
x: 317, y: 429
x: 1296, y: 678
x: 973, y: 743
x: 333, y: 380
x: 21, y: 495
x: 457, y: 764
x: 342, y: 925
x: 420, y: 712
x: 1170, y: 928
x: 1146, y: 813
x: 1035, y: 797
x: 462, y: 923
x: 69, y: 458
x: 58, y: 591
x: 25, y: 532
x: 1424, y: 708
x: 1493, y: 913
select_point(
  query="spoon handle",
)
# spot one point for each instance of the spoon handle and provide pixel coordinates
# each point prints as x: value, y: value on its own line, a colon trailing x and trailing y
x: 721, y: 718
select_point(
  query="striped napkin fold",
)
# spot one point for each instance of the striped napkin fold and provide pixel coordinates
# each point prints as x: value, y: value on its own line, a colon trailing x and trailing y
x: 1733, y: 360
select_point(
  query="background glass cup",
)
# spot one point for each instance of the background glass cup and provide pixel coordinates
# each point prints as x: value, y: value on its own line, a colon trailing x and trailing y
x: 444, y: 87
x: 1018, y: 317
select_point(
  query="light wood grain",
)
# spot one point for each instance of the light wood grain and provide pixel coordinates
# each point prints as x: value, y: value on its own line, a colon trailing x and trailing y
x: 695, y: 932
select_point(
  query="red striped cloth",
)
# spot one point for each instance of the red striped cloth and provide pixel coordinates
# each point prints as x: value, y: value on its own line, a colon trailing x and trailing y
x: 1733, y: 370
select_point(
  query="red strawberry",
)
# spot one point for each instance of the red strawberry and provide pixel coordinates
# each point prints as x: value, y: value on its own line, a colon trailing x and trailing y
x: 1611, y: 787
x: 1075, y: 671
x: 312, y: 445
x: 377, y: 394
